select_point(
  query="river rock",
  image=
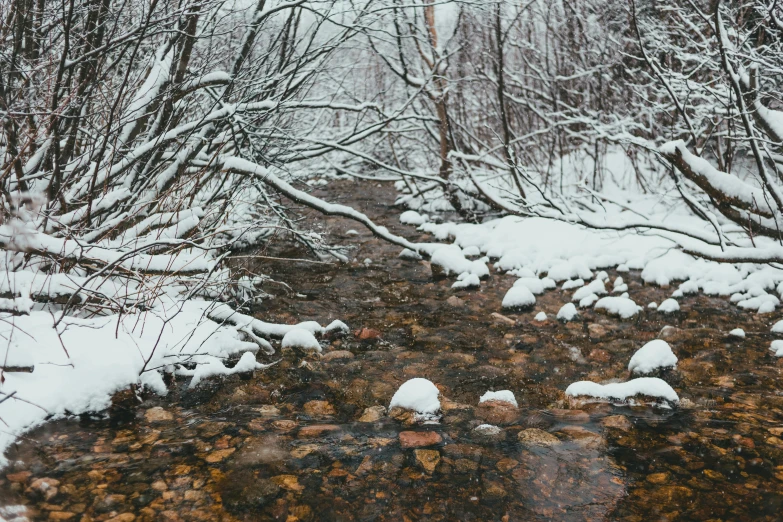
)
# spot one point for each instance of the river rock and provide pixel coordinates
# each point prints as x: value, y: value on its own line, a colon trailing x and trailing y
x: 319, y: 408
x: 158, y: 414
x: 372, y: 414
x: 537, y: 437
x: 418, y: 439
x: 428, y: 459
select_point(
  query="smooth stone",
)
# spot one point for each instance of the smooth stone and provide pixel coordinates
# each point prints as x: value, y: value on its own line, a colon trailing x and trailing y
x: 619, y: 422
x: 319, y: 408
x: 337, y: 355
x: 317, y: 430
x: 537, y: 437
x: 158, y: 414
x: 372, y: 414
x: 428, y: 459
x: 418, y: 439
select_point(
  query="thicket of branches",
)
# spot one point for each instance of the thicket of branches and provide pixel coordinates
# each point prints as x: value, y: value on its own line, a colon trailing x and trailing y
x: 143, y: 141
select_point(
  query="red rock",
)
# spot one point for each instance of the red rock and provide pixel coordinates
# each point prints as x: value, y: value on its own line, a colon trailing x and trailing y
x: 497, y: 412
x: 317, y: 430
x: 367, y: 333
x: 21, y: 476
x: 418, y: 439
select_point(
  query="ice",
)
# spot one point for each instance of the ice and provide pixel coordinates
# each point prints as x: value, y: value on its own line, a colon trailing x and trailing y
x: 567, y: 312
x: 301, y: 339
x: 669, y: 306
x: 502, y: 396
x: 648, y: 386
x: 620, y: 306
x: 518, y: 297
x: 654, y: 355
x: 417, y: 394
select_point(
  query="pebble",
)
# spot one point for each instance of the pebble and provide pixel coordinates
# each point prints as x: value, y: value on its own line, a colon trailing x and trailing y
x: 497, y: 412
x: 500, y: 318
x: 619, y: 422
x: 158, y: 414
x: 219, y: 455
x: 372, y: 414
x: 428, y: 459
x: 418, y: 439
x: 319, y: 408
x: 455, y: 301
x: 537, y: 437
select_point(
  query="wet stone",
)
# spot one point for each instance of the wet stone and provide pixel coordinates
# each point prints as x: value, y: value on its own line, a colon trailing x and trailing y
x: 619, y: 422
x: 537, y: 437
x: 428, y: 459
x: 417, y: 439
x: 372, y: 414
x: 158, y: 414
x: 319, y: 408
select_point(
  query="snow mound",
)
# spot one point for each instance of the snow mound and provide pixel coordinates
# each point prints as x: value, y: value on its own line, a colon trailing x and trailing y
x: 567, y: 312
x: 337, y: 326
x: 467, y: 280
x: 653, y: 305
x: 302, y: 339
x: 621, y: 306
x: 649, y: 386
x: 652, y: 356
x: 407, y: 253
x: 535, y: 285
x: 540, y: 316
x: 595, y: 287
x: 777, y: 347
x: 451, y: 260
x: 778, y: 327
x: 572, y: 283
x: 411, y: 217
x: 669, y: 306
x: 588, y: 301
x: 502, y: 396
x: 738, y: 332
x: 518, y: 297
x: 417, y: 394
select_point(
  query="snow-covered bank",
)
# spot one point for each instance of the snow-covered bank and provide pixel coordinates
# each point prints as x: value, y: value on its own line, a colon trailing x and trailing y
x: 81, y: 363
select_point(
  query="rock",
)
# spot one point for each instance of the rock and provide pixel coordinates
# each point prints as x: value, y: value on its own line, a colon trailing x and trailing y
x: 366, y: 334
x: 488, y: 430
x: 61, y: 515
x: 159, y: 485
x: 219, y: 455
x: 455, y: 301
x: 20, y: 476
x: 319, y: 408
x: 578, y: 416
x: 537, y: 437
x: 497, y: 412
x: 157, y: 414
x: 466, y: 465
x: 337, y: 355
x: 619, y: 422
x: 428, y: 459
x: 500, y: 318
x: 447, y: 405
x: 596, y: 331
x: 669, y: 332
x: 124, y: 517
x: 317, y: 430
x: 283, y: 425
x: 599, y: 355
x: 777, y: 432
x: 418, y: 439
x: 506, y: 465
x: 304, y: 450
x: 372, y: 414
x: 582, y: 435
x: 493, y: 489
x: 43, y: 487
x: 658, y: 478
x: 267, y: 410
x: 288, y: 482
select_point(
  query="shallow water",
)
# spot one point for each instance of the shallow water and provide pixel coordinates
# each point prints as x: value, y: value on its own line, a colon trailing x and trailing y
x: 296, y: 442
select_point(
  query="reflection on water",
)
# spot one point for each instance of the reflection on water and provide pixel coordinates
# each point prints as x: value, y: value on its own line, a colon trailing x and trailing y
x: 312, y: 440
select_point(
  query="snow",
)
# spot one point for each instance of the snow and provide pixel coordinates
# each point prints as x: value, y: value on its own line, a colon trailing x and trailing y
x: 535, y: 285
x: 669, y: 306
x: 302, y: 339
x: 502, y: 396
x: 417, y: 394
x: 572, y: 283
x: 777, y: 347
x: 518, y: 297
x: 777, y: 327
x: 738, y: 332
x: 648, y: 386
x: 487, y: 429
x: 652, y: 306
x: 588, y: 301
x: 540, y: 316
x: 567, y: 312
x: 453, y: 261
x: 595, y: 287
x: 467, y: 280
x: 620, y: 306
x: 411, y: 217
x: 337, y: 326
x: 655, y: 355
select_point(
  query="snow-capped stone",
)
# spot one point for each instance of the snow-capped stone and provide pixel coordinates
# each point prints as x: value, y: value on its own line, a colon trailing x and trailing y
x: 337, y: 326
x: 501, y: 396
x: 777, y: 327
x: 450, y: 260
x: 653, y: 305
x: 649, y: 386
x: 540, y: 316
x: 302, y: 339
x: 623, y: 268
x: 407, y: 253
x: 595, y: 287
x: 588, y: 301
x: 777, y: 347
x: 567, y: 312
x: 572, y: 283
x: 467, y: 280
x: 656, y: 354
x: 669, y: 306
x: 535, y: 285
x: 411, y: 217
x: 518, y: 297
x: 417, y: 394
x: 738, y: 332
x: 602, y: 275
x: 767, y: 307
x: 620, y: 306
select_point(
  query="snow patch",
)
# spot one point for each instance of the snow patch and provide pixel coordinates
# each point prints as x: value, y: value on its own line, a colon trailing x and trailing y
x: 620, y: 306
x: 518, y: 297
x: 648, y: 386
x: 502, y: 396
x: 301, y: 339
x: 417, y: 394
x: 567, y: 312
x: 669, y: 306
x: 656, y: 354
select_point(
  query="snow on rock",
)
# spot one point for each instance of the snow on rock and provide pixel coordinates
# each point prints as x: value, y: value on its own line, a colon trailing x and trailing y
x: 595, y: 287
x: 518, y: 297
x: 620, y: 306
x: 778, y: 327
x: 588, y: 301
x: 411, y: 217
x: 655, y: 355
x: 337, y: 326
x: 247, y: 363
x: 407, y: 253
x: 417, y: 394
x: 652, y: 306
x: 301, y: 339
x: 451, y: 260
x: 576, y: 267
x: 501, y: 396
x: 535, y: 285
x: 777, y: 347
x: 648, y: 386
x: 467, y: 280
x: 669, y: 306
x: 573, y: 283
x: 602, y: 276
x: 540, y: 316
x: 738, y: 332
x: 567, y: 312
